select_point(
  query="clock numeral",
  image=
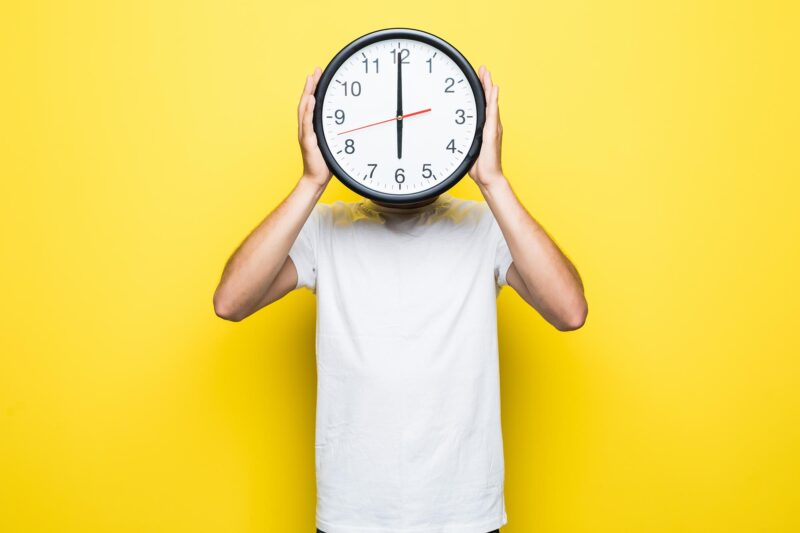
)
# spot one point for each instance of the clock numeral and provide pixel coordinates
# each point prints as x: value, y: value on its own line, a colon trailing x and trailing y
x: 349, y: 146
x: 399, y: 175
x: 460, y: 116
x: 426, y: 171
x: 451, y: 146
x: 374, y: 166
x: 404, y: 53
x: 449, y: 88
x: 430, y: 63
x: 366, y: 65
x: 355, y: 88
x: 339, y: 116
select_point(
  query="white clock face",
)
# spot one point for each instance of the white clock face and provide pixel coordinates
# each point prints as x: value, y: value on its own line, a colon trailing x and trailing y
x: 402, y: 139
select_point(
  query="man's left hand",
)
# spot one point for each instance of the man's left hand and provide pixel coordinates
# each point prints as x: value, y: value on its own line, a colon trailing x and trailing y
x: 487, y: 169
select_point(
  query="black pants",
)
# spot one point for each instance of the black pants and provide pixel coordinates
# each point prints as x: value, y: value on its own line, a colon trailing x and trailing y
x: 495, y: 531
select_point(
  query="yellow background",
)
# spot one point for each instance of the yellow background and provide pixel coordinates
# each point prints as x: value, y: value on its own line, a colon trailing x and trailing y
x: 141, y: 141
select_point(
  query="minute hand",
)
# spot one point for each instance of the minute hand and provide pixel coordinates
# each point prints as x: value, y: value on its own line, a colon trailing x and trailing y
x: 415, y: 113
x: 399, y: 113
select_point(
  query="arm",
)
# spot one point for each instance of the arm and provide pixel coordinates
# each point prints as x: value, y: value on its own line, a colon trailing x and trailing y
x: 260, y: 271
x: 540, y: 273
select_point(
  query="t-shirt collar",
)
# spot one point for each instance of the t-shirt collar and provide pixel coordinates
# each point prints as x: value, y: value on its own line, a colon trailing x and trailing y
x: 377, y: 207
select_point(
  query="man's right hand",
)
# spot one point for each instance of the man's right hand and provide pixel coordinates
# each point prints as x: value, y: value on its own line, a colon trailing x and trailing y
x: 261, y: 271
x: 314, y: 167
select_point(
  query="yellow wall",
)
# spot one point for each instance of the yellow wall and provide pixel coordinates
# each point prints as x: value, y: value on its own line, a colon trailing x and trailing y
x: 141, y: 140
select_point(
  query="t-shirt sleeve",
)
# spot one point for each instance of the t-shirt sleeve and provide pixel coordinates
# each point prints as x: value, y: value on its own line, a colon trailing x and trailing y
x: 304, y: 250
x: 502, y: 255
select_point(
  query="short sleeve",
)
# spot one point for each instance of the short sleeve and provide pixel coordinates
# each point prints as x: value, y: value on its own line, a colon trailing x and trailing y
x: 304, y: 250
x: 502, y: 255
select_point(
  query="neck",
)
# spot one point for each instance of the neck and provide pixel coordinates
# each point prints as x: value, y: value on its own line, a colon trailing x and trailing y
x: 407, y: 206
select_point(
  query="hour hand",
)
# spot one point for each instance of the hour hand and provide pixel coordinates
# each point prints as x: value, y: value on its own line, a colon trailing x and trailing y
x: 399, y: 137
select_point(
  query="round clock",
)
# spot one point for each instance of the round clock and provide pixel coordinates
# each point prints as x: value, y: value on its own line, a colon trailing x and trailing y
x: 399, y: 115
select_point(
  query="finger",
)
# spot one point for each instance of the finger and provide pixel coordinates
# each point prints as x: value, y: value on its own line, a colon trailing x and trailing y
x: 302, y: 125
x: 302, y: 102
x: 497, y: 106
x: 308, y: 128
x: 483, y: 83
x: 300, y: 111
x: 309, y: 84
x: 306, y: 87
x: 493, y: 111
x: 315, y: 79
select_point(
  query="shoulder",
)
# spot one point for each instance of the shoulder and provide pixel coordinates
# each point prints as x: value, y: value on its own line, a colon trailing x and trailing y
x: 337, y: 213
x: 476, y: 212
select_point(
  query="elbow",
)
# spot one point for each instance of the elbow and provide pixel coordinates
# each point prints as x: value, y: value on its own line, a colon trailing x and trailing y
x: 225, y: 310
x: 576, y: 319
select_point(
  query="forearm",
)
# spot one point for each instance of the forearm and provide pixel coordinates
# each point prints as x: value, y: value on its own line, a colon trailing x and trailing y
x: 254, y: 265
x: 546, y: 271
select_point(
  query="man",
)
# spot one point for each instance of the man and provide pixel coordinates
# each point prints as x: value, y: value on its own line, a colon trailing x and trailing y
x: 408, y: 435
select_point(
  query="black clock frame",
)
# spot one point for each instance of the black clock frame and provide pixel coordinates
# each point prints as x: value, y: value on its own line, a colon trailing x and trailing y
x: 441, y: 45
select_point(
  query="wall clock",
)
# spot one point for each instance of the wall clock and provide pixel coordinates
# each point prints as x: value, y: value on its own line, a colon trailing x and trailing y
x: 399, y: 115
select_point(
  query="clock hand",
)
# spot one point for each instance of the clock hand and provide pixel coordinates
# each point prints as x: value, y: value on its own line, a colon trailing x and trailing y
x: 398, y: 118
x: 399, y: 104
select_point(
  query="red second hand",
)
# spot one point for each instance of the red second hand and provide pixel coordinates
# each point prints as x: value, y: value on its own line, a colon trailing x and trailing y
x: 387, y: 120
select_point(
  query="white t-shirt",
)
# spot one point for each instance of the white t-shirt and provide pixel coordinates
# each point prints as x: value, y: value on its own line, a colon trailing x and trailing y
x: 408, y: 433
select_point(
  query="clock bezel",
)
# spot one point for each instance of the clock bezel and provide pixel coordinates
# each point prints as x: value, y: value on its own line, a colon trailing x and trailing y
x: 472, y: 78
